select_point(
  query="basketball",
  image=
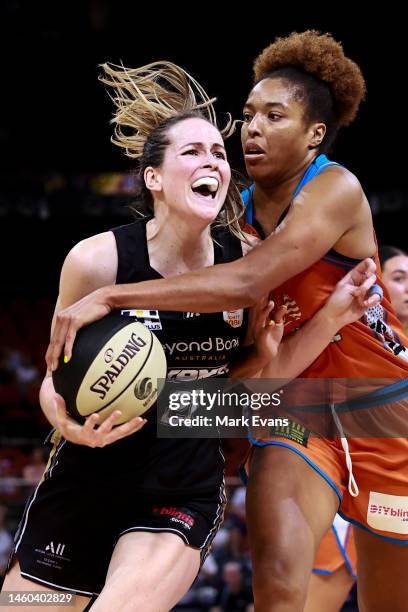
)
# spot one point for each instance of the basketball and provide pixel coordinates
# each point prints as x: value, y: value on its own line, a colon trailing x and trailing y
x: 115, y: 365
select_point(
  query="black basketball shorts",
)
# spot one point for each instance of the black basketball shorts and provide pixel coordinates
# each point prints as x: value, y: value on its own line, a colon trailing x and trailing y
x: 69, y: 528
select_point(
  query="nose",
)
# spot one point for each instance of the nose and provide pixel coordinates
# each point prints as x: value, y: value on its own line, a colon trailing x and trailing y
x: 210, y: 161
x: 254, y: 127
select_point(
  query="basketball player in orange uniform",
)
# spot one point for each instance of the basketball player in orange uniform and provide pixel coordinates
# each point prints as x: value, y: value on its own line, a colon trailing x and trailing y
x: 149, y: 519
x: 305, y: 90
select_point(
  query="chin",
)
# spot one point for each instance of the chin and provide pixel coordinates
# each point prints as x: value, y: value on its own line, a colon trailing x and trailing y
x: 207, y: 217
x: 258, y: 172
x: 205, y: 213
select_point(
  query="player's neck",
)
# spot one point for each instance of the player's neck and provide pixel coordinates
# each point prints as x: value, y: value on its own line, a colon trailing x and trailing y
x: 274, y: 195
x: 176, y: 247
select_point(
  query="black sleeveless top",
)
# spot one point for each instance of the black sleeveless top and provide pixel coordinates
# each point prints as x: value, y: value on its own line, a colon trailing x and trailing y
x: 197, y: 345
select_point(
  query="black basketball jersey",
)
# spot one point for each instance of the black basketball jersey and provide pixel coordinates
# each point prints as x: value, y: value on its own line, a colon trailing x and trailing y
x: 197, y: 345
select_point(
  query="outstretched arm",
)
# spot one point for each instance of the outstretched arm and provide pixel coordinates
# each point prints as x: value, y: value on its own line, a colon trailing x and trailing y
x: 318, y: 218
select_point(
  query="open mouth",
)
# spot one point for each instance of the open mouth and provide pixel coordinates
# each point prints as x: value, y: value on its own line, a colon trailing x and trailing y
x: 206, y: 186
x: 253, y: 151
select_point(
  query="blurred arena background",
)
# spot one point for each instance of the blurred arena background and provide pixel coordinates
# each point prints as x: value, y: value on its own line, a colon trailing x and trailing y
x: 61, y: 180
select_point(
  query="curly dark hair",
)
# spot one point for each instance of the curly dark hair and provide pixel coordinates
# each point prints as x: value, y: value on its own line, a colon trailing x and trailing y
x: 330, y: 85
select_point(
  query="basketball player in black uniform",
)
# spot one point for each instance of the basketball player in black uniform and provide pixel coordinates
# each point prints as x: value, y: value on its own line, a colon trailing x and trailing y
x: 120, y: 512
x: 119, y: 505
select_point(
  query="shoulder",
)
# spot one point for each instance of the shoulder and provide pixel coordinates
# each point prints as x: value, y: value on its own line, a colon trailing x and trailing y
x: 335, y: 190
x: 94, y: 258
x: 336, y: 180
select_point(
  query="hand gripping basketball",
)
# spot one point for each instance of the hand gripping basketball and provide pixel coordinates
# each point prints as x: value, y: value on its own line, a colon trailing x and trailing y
x: 116, y: 364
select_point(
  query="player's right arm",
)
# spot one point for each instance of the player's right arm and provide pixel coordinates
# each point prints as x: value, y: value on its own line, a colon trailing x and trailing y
x: 91, y: 264
x: 274, y: 358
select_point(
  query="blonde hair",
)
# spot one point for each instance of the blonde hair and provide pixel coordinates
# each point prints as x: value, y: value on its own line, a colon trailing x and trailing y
x: 151, y: 99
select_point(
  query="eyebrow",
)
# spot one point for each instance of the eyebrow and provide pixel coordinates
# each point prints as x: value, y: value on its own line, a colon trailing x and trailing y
x: 269, y: 104
x: 399, y: 272
x: 201, y: 144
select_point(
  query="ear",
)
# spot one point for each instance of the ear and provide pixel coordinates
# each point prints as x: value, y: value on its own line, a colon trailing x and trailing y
x: 317, y: 133
x: 152, y: 179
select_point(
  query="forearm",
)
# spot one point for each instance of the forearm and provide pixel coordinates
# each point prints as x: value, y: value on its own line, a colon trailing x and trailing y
x: 221, y: 287
x: 48, y: 407
x: 248, y: 364
x: 228, y: 286
x: 298, y: 351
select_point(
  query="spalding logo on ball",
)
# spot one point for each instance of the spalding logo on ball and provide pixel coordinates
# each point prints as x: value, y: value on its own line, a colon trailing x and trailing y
x: 115, y: 365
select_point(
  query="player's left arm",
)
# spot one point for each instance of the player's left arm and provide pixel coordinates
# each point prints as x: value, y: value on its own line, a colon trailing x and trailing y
x: 327, y: 209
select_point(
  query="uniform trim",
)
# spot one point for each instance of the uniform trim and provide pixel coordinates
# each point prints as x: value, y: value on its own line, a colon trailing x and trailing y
x: 217, y: 520
x: 48, y: 469
x: 344, y: 548
x: 58, y: 586
x: 162, y: 529
x: 48, y: 474
x: 370, y: 531
x: 313, y: 465
x: 338, y: 263
x: 317, y: 570
x: 394, y: 392
x: 385, y: 395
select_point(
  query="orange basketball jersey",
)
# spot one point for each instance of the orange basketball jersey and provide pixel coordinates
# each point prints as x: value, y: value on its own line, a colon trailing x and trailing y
x: 374, y: 347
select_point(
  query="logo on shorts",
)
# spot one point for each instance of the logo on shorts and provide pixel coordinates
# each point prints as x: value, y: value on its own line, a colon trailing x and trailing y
x: 176, y: 516
x: 55, y: 550
x: 388, y: 512
x: 293, y: 431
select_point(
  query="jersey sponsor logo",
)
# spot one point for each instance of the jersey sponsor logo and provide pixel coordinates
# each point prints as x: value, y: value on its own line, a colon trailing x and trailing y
x: 190, y: 315
x: 149, y: 318
x: 375, y: 321
x: 197, y: 373
x: 233, y: 317
x: 212, y: 344
x: 293, y: 312
x: 388, y: 512
x: 398, y: 349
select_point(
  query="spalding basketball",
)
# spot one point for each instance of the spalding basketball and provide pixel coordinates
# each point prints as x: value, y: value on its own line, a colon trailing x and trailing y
x: 115, y: 365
